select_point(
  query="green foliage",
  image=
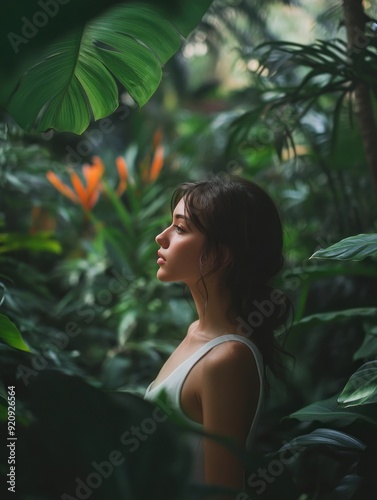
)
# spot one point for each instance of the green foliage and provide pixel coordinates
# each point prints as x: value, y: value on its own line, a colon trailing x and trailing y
x: 368, y: 348
x: 132, y: 237
x: 324, y: 68
x: 73, y: 80
x: 356, y: 403
x: 328, y: 411
x: 361, y: 387
x: 81, y: 287
x: 353, y: 248
x: 132, y: 441
x: 41, y: 242
x: 11, y: 335
x: 118, y: 44
x: 331, y: 317
x: 326, y: 437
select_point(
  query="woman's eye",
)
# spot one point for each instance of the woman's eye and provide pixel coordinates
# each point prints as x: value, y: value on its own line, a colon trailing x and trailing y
x: 179, y: 229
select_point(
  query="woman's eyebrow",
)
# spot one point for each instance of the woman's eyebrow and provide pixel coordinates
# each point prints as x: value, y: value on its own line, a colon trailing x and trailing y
x: 181, y: 216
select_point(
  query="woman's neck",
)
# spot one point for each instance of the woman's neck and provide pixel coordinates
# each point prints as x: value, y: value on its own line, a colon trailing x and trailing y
x: 212, y: 310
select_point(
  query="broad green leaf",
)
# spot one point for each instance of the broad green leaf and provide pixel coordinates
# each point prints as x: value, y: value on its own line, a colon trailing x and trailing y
x: 325, y: 437
x: 75, y: 80
x: 314, y: 270
x: 313, y: 320
x: 368, y: 348
x: 11, y: 335
x: 353, y: 248
x: 10, y: 242
x: 361, y: 387
x: 329, y: 411
x: 23, y: 36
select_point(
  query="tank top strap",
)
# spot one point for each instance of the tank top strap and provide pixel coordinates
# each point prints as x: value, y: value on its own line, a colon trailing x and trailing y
x: 227, y: 338
x: 173, y: 383
x: 183, y: 369
x: 250, y: 344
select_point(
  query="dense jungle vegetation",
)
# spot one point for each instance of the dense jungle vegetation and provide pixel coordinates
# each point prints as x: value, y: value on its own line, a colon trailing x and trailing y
x: 105, y: 108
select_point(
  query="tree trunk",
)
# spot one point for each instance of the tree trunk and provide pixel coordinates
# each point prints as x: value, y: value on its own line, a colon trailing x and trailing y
x: 355, y: 18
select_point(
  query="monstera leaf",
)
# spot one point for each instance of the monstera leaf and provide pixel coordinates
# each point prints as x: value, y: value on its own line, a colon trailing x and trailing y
x: 75, y: 80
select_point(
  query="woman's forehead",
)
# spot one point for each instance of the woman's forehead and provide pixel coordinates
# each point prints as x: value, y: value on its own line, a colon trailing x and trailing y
x: 180, y: 208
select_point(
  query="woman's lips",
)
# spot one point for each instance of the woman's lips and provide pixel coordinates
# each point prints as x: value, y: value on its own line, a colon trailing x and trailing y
x: 161, y: 259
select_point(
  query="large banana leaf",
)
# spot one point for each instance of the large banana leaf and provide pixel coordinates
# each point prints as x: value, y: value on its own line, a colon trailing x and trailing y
x: 75, y: 80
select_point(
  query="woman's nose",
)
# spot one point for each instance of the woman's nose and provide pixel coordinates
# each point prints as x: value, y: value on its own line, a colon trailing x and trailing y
x: 161, y: 239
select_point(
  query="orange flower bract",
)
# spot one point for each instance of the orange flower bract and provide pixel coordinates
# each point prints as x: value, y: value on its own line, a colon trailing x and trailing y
x: 157, y: 163
x: 151, y: 174
x: 86, y: 191
x: 123, y: 174
x: 84, y: 195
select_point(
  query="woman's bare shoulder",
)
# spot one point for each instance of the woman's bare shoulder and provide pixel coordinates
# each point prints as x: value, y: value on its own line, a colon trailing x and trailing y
x: 231, y: 358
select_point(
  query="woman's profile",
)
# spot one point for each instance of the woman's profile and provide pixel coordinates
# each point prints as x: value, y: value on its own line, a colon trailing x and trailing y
x: 225, y: 243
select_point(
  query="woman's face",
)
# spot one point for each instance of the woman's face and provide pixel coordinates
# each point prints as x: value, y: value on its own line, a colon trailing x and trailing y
x: 181, y: 245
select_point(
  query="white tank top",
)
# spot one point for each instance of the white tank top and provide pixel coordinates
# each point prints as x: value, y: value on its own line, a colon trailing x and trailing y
x: 173, y: 384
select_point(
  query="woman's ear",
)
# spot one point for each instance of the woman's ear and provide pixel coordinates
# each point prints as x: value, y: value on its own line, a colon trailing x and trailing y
x: 226, y: 256
x: 223, y: 260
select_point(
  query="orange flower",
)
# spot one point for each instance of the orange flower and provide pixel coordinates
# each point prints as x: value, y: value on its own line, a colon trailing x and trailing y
x: 86, y: 196
x: 157, y: 137
x: 123, y: 173
x: 157, y: 163
x: 151, y: 174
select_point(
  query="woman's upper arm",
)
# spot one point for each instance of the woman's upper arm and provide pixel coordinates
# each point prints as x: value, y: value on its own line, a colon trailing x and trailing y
x: 229, y: 397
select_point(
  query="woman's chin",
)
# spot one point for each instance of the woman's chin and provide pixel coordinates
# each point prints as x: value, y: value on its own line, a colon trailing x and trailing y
x: 162, y: 276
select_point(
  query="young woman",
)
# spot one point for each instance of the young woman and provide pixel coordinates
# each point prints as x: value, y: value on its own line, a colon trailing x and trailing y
x: 225, y: 243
